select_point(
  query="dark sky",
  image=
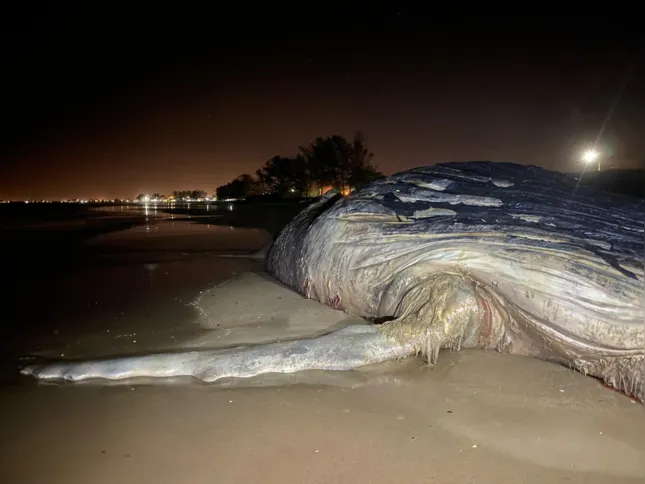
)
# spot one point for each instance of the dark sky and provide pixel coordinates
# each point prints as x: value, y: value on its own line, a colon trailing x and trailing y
x: 100, y: 104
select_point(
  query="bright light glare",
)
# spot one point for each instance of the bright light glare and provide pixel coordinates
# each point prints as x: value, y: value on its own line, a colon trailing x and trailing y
x: 590, y: 156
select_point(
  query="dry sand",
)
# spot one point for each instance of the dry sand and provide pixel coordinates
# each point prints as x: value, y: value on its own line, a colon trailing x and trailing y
x: 476, y: 417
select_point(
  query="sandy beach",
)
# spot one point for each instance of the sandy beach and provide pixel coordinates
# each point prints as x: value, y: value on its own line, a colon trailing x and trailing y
x: 475, y: 417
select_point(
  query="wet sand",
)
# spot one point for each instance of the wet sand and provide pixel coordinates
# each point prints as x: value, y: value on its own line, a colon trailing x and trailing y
x: 475, y: 417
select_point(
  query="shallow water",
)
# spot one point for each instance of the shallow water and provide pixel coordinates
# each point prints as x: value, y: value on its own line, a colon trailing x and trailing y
x: 107, y: 290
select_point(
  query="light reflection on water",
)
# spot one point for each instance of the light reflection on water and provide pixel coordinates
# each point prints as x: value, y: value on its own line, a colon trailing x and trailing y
x: 156, y: 208
x: 165, y: 238
x: 271, y: 217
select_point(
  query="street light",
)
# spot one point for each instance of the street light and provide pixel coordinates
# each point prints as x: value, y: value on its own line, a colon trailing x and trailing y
x: 590, y: 156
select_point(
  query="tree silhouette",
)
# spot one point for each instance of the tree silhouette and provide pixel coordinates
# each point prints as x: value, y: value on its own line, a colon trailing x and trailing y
x: 241, y: 187
x: 326, y: 162
x: 283, y: 176
x: 362, y: 171
x: 182, y: 195
x: 324, y: 158
x: 197, y: 194
x: 336, y: 162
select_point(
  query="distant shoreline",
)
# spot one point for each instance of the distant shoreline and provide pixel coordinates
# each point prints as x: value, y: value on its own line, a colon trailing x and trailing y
x: 629, y: 182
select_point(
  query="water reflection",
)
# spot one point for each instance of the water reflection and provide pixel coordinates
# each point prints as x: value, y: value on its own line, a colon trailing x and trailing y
x: 155, y: 208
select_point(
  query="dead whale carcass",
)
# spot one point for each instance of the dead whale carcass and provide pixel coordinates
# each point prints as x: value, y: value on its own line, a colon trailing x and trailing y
x: 455, y: 255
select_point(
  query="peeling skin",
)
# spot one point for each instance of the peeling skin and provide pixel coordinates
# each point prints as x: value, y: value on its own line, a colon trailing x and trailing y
x: 433, y: 212
x: 502, y: 183
x: 532, y: 265
x: 527, y: 218
x: 451, y: 199
x: 439, y: 184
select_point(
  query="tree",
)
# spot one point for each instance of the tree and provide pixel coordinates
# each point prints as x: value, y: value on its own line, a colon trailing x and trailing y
x: 332, y: 161
x: 188, y: 194
x: 243, y: 186
x: 262, y: 182
x: 324, y: 159
x: 336, y: 162
x: 361, y: 172
x: 234, y: 189
x: 250, y: 186
x: 197, y: 194
x: 284, y: 176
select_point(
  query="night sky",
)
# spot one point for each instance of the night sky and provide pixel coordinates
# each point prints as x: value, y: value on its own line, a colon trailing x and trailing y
x: 96, y: 106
